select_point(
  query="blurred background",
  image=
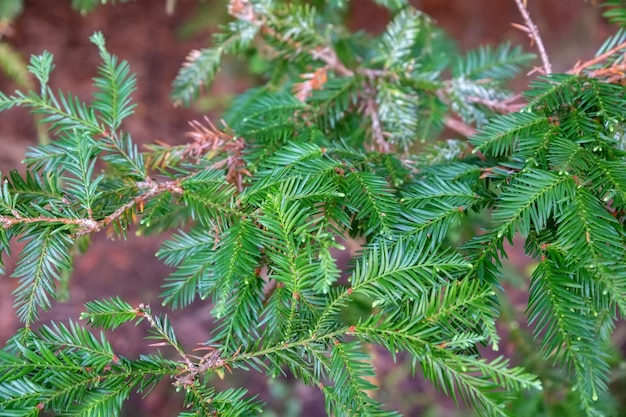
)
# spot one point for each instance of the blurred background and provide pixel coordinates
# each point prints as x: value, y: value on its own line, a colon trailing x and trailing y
x: 155, y: 43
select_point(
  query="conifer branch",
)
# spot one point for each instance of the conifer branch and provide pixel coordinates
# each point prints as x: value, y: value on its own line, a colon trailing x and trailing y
x: 187, y: 376
x: 325, y: 152
x: 90, y: 225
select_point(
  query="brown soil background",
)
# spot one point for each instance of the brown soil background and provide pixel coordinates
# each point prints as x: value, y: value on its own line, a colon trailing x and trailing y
x: 155, y: 45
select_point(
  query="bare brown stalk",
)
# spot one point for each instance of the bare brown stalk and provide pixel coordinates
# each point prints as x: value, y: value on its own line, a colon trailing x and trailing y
x: 88, y: 225
x: 578, y: 68
x: 534, y: 35
x: 503, y: 107
x: 459, y: 126
x: 614, y: 74
x: 370, y: 109
x: 83, y: 224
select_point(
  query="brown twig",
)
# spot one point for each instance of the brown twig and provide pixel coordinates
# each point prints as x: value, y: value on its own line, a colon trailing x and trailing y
x: 613, y: 74
x: 83, y: 224
x: 459, y: 126
x: 89, y: 225
x: 504, y: 107
x: 370, y: 109
x: 190, y: 370
x: 329, y: 56
x: 578, y: 68
x: 533, y: 33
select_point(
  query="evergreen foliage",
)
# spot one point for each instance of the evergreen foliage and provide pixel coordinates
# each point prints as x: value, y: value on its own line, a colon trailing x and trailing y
x: 322, y: 153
